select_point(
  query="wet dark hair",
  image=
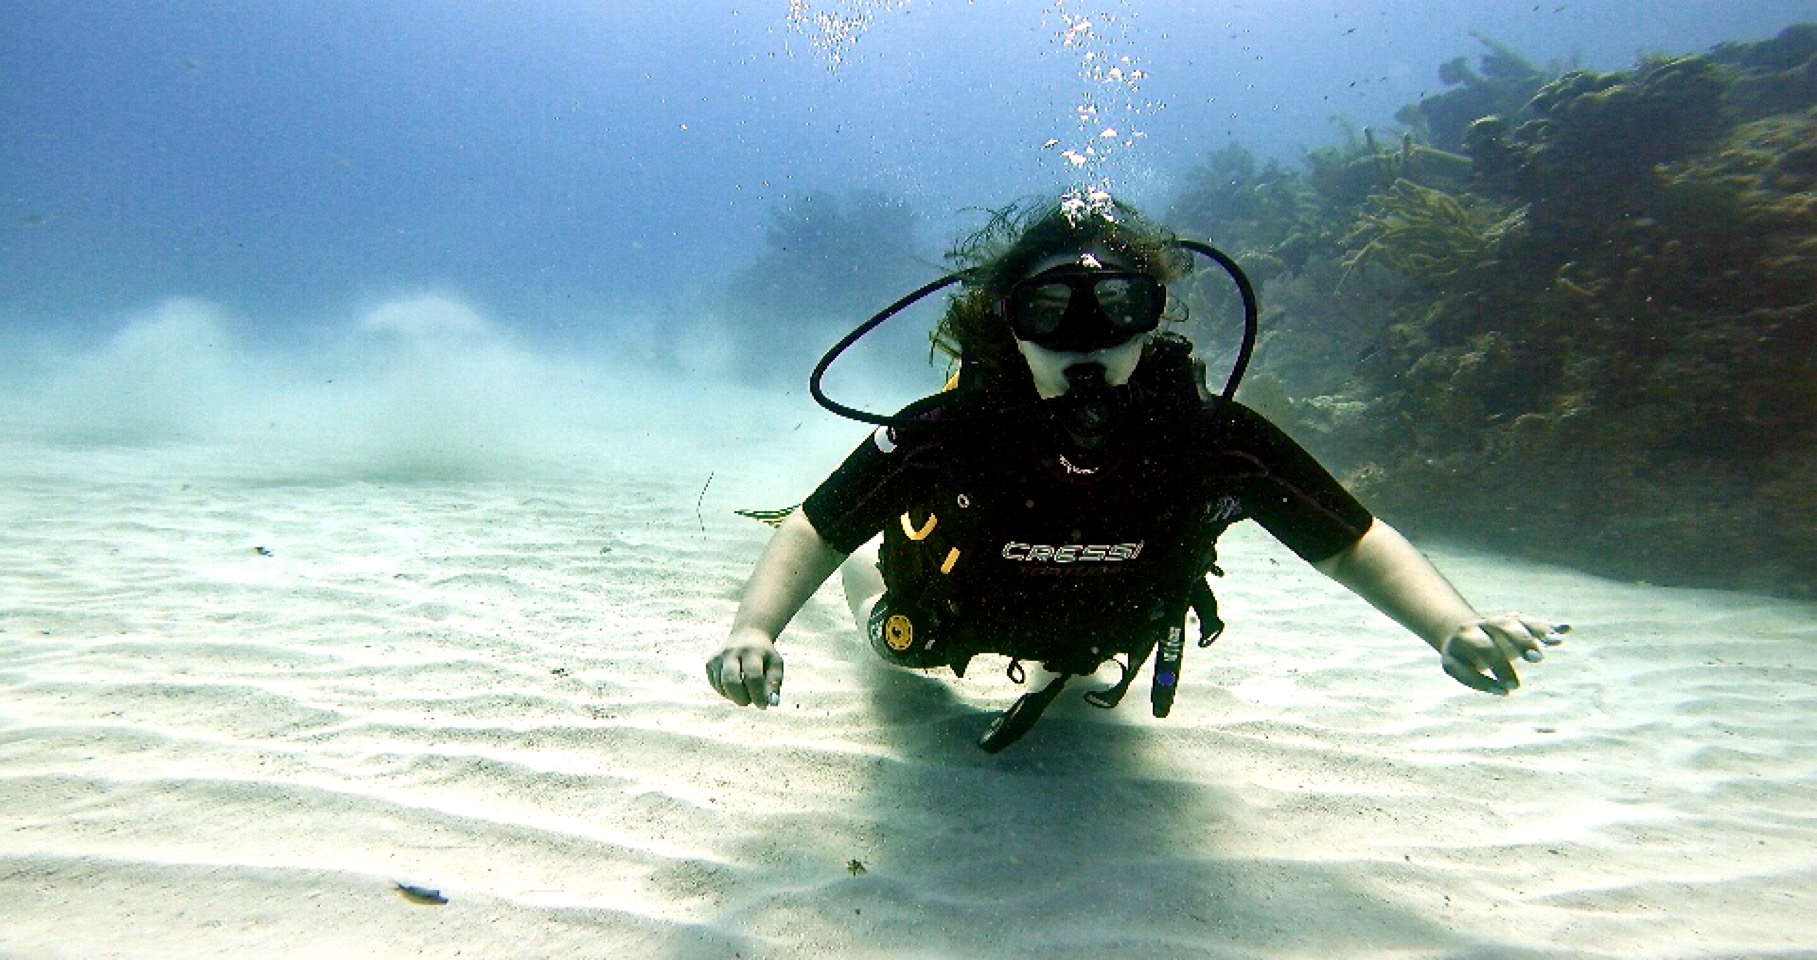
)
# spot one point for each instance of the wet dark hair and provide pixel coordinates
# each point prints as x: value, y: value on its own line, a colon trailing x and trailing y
x: 1020, y: 235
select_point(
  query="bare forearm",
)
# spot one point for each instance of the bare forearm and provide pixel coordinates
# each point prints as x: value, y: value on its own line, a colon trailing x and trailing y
x: 794, y: 565
x: 1395, y: 578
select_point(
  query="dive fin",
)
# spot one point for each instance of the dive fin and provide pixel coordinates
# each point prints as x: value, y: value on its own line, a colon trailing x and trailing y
x: 771, y: 518
x: 1011, y: 724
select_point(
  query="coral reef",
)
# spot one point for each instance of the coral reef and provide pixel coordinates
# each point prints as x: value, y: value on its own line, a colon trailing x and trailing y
x: 1429, y: 236
x: 1593, y: 138
x: 1229, y: 199
x: 1506, y: 83
x: 1344, y: 177
x: 1596, y: 341
x: 825, y: 264
x: 1774, y: 76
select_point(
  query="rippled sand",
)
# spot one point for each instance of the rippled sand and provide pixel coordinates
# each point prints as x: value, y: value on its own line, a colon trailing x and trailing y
x: 234, y: 710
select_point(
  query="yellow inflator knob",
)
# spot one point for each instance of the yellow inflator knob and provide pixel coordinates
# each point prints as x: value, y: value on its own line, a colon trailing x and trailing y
x: 898, y: 633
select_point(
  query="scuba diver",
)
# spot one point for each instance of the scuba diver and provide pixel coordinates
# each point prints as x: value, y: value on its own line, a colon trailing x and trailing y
x: 1060, y: 503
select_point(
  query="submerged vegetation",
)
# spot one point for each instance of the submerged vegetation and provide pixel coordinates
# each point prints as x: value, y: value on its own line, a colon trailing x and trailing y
x: 1560, y: 312
x: 1426, y: 235
x: 1567, y: 313
x: 825, y: 260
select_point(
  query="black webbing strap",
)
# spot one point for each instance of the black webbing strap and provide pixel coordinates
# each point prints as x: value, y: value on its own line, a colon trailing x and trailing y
x: 1010, y: 725
x: 1109, y: 697
x: 1205, y: 604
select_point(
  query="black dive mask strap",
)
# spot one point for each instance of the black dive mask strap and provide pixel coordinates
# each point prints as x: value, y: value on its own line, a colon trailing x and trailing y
x: 1250, y: 315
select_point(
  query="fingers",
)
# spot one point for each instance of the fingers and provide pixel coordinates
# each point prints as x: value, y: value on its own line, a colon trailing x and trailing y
x: 1481, y: 655
x: 1516, y: 638
x: 720, y: 669
x: 1474, y: 651
x: 1526, y: 637
x: 1499, y: 658
x: 747, y: 675
x: 1463, y: 674
x: 753, y: 667
x: 772, y: 682
x: 1548, y: 632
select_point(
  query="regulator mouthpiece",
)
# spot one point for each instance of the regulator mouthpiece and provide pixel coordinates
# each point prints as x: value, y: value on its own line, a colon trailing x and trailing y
x: 1091, y: 408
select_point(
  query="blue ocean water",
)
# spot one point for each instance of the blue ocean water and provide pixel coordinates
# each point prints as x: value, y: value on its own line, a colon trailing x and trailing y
x: 370, y: 427
x: 563, y: 164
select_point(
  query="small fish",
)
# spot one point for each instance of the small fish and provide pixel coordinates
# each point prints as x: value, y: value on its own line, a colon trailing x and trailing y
x: 421, y: 895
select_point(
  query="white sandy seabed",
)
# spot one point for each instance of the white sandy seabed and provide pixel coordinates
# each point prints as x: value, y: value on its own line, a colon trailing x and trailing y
x: 240, y: 699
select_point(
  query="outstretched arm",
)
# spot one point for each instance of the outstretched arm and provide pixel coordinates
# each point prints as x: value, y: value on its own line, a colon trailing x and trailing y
x: 1386, y: 570
x: 748, y: 670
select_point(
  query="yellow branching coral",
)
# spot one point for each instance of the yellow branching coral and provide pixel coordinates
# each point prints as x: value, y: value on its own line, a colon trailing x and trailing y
x: 1427, y: 235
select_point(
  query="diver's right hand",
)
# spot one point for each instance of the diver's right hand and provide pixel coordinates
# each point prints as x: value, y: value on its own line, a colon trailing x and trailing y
x: 748, y: 670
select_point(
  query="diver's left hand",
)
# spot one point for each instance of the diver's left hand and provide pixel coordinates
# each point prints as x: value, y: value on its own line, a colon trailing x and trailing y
x: 1480, y: 654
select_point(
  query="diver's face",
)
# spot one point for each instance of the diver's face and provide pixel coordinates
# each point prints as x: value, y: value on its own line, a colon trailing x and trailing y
x: 1116, y: 302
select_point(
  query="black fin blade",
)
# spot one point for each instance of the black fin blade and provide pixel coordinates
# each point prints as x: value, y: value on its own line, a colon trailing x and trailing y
x: 1011, y: 724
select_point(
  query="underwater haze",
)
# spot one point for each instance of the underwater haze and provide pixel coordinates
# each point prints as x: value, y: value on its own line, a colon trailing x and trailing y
x: 291, y: 223
x: 563, y: 165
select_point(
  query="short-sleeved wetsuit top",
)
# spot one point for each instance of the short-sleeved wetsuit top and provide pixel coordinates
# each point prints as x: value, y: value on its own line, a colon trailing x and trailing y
x: 1012, y: 540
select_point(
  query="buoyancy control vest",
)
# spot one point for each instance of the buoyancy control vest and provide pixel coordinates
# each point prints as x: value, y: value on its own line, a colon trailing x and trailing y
x: 1036, y: 549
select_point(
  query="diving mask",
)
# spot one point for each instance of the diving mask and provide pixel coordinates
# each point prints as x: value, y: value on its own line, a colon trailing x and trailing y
x: 1076, y: 309
x: 1244, y: 350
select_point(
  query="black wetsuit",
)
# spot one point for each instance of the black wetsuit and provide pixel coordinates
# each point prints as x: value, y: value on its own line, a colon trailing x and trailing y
x: 1006, y: 538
